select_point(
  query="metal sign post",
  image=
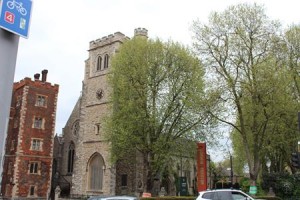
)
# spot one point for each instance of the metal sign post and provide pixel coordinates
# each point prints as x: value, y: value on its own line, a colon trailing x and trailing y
x: 15, y: 19
x: 8, y: 56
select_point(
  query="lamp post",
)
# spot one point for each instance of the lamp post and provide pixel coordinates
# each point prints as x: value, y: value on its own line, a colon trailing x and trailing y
x: 231, y: 170
x: 268, y: 163
x: 231, y: 167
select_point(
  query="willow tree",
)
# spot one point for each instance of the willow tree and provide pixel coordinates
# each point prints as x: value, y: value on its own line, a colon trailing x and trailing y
x: 157, y: 100
x: 236, y: 46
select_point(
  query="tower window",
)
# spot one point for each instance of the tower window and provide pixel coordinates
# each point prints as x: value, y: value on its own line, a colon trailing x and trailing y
x: 106, y: 58
x: 99, y: 63
x: 31, y: 190
x: 40, y: 101
x: 38, y: 122
x: 97, y: 129
x: 33, y: 167
x: 36, y: 144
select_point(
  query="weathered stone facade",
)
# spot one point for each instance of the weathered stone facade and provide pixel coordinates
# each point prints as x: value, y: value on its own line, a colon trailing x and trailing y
x: 29, y: 143
x: 83, y: 128
x: 83, y: 154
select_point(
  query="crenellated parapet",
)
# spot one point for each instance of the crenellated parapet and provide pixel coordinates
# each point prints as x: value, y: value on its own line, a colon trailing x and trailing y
x: 106, y: 40
x: 37, y: 82
x: 141, y: 32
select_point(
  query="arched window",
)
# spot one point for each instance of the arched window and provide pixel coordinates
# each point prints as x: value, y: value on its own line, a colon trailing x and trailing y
x: 106, y: 58
x: 71, y: 154
x: 99, y: 63
x: 75, y: 128
x: 96, y: 168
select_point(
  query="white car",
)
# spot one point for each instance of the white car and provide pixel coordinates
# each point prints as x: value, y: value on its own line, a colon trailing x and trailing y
x: 223, y: 194
x: 112, y: 198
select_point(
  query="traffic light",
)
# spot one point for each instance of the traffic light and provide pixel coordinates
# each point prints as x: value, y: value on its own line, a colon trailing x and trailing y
x: 296, y: 160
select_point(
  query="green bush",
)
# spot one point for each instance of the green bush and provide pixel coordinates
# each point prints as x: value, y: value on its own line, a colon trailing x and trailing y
x: 267, y: 198
x: 285, y: 185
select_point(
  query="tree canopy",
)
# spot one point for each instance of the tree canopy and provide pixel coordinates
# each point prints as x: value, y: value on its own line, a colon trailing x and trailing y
x: 157, y: 100
x: 242, y: 51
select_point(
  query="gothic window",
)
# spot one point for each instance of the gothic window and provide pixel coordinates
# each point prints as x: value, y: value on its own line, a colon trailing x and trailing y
x: 38, y: 122
x: 106, y: 59
x: 33, y: 167
x: 96, y: 168
x: 99, y: 63
x: 71, y: 154
x: 40, y: 101
x: 76, y: 127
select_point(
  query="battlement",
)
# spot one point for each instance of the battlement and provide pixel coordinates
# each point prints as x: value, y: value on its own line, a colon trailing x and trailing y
x: 141, y: 32
x: 116, y: 37
x: 36, y: 82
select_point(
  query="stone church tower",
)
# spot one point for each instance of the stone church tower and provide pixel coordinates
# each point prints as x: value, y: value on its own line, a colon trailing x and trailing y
x: 82, y: 154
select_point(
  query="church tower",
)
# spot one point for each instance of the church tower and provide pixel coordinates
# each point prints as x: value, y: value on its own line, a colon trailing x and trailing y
x: 84, y: 165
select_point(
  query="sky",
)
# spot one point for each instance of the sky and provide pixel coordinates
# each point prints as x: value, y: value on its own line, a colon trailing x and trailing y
x: 60, y: 32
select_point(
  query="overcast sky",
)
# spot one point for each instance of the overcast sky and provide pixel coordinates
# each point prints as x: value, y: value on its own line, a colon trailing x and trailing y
x: 61, y: 30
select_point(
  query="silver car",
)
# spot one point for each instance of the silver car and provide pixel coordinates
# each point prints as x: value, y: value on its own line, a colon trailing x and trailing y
x: 224, y: 194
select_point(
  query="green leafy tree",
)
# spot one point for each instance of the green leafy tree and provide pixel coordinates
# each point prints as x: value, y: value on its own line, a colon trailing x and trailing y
x: 238, y: 48
x: 283, y: 102
x: 157, y: 101
x: 292, y: 41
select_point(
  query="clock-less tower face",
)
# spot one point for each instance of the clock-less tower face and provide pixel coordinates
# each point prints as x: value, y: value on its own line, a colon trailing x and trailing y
x: 99, y: 94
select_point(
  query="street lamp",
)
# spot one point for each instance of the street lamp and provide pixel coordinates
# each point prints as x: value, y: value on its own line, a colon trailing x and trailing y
x: 268, y: 163
x: 231, y: 169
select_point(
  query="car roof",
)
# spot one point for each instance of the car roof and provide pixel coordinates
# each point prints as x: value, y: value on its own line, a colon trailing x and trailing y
x: 221, y: 190
x: 112, y: 198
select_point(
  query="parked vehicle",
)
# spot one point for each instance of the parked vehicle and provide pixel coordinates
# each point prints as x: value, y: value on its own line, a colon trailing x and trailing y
x: 113, y: 198
x: 224, y: 194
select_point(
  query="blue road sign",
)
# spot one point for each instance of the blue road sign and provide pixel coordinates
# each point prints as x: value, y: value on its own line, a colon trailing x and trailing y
x: 15, y: 16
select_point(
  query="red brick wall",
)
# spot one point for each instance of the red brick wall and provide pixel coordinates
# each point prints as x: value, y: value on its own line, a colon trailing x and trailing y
x: 19, y: 137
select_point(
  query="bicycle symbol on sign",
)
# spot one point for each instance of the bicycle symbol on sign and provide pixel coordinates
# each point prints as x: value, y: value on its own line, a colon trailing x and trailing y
x: 18, y: 5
